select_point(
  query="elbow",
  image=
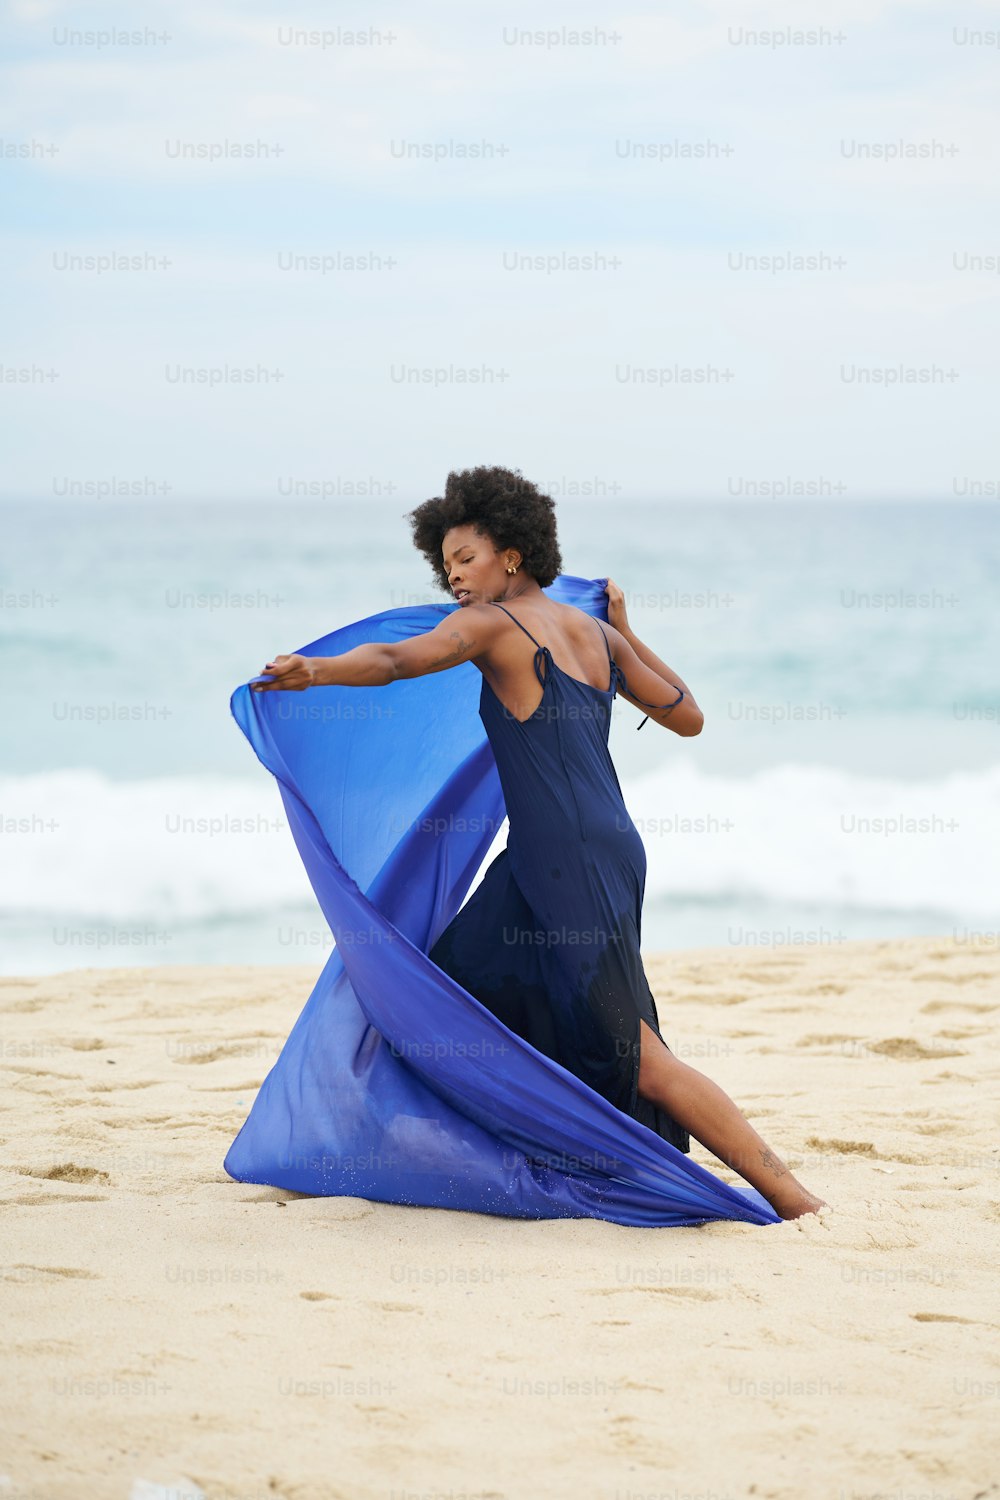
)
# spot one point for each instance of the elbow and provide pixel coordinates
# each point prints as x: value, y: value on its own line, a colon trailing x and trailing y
x: 388, y: 664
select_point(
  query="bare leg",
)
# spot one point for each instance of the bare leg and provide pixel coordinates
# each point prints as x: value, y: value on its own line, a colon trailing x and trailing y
x: 708, y: 1113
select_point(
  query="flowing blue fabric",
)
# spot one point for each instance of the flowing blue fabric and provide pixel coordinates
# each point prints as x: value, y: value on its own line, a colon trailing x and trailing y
x: 395, y: 1083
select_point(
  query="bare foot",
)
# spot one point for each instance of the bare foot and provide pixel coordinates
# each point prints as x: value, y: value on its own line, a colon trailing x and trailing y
x: 794, y: 1201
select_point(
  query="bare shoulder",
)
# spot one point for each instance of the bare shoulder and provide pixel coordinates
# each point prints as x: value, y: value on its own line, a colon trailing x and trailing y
x: 480, y: 615
x: 586, y: 623
x: 478, y: 624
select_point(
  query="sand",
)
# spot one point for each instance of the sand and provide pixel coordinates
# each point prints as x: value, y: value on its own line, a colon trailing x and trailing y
x: 164, y: 1326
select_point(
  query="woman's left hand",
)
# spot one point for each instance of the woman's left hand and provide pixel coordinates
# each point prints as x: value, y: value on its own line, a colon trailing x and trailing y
x: 291, y: 674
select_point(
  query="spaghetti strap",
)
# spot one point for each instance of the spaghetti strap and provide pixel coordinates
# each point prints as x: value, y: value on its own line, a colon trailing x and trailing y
x: 517, y: 622
x: 541, y: 652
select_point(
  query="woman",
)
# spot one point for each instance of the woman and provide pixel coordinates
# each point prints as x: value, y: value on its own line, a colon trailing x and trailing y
x: 550, y: 939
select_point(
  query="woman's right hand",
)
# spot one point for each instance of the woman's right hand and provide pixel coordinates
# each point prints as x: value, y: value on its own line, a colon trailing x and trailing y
x: 292, y: 673
x: 617, y: 615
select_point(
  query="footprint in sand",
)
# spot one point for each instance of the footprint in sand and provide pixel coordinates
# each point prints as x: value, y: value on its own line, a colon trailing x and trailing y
x: 46, y: 1273
x: 769, y: 977
x: 691, y: 1293
x: 908, y: 1049
x: 119, y: 1085
x: 65, y: 1172
x: 841, y: 1148
x: 687, y: 1293
x: 641, y: 1446
x: 227, y: 1088
x: 210, y: 1054
x: 826, y: 1039
x: 941, y: 977
x: 39, y: 1200
x: 938, y: 1005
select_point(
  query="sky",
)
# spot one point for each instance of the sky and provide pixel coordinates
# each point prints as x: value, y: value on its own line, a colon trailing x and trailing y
x: 695, y: 252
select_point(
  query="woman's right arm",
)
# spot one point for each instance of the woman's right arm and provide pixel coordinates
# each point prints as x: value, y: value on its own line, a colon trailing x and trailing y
x: 464, y: 634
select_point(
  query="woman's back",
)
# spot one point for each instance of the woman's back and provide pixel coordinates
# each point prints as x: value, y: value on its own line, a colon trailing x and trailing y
x: 572, y: 638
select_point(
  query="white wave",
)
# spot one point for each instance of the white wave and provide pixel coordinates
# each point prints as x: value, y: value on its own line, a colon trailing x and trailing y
x: 806, y: 834
x: 203, y: 848
x: 171, y: 849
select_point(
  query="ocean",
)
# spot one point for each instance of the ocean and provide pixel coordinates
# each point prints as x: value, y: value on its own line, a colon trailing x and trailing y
x: 846, y: 784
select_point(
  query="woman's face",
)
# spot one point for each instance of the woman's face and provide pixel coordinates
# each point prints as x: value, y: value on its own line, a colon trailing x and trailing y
x: 476, y: 571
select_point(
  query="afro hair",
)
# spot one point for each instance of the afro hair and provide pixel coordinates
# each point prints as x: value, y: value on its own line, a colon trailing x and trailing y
x: 499, y: 504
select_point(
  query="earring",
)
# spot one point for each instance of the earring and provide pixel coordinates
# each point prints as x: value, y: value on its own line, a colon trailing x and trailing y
x: 510, y: 569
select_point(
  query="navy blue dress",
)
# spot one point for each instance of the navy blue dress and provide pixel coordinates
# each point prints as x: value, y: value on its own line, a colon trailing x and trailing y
x: 549, y: 939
